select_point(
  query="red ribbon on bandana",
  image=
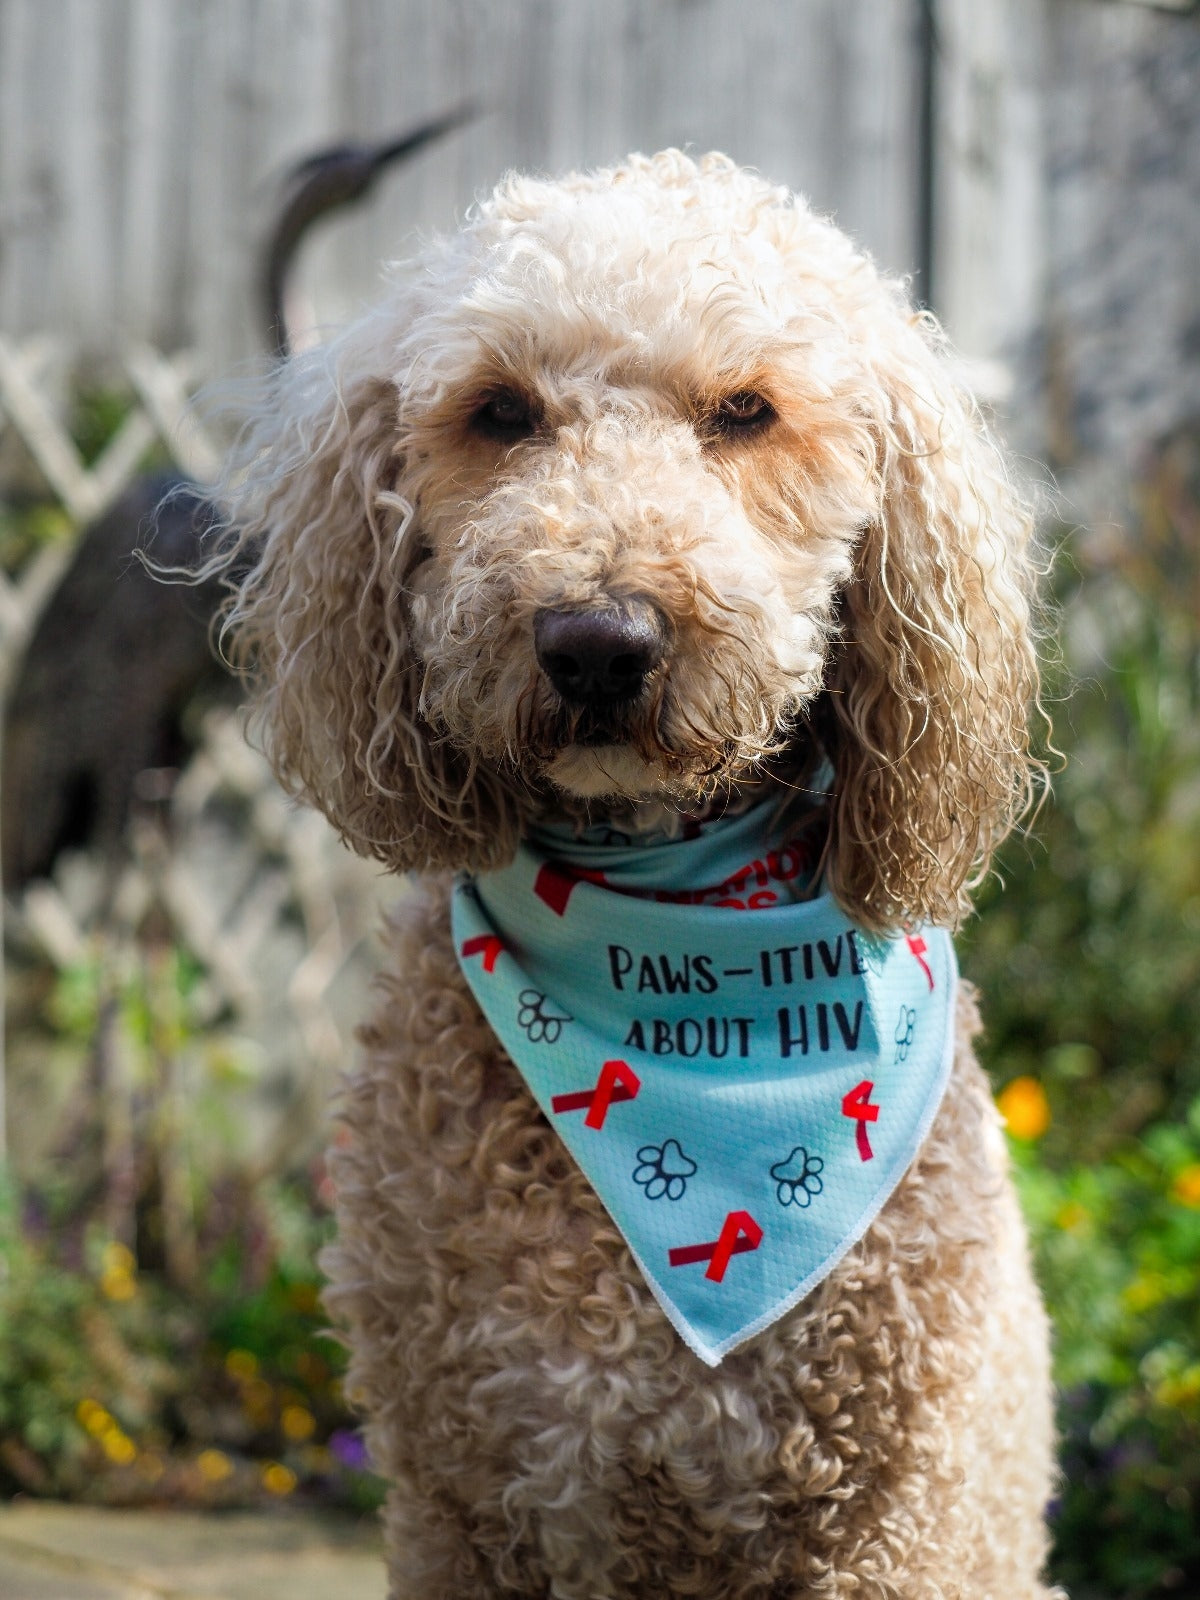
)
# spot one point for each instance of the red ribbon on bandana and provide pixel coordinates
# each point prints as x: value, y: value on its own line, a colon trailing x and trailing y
x: 488, y: 945
x: 617, y: 1081
x: 920, y: 949
x: 739, y: 1233
x: 857, y: 1104
x: 555, y: 884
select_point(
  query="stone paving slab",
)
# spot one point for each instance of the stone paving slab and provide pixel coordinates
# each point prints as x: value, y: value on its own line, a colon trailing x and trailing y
x: 61, y: 1552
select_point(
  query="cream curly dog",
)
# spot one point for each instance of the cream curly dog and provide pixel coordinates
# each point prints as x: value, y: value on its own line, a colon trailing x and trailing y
x: 643, y: 498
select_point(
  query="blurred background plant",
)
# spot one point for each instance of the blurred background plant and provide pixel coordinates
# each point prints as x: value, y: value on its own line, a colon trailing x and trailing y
x: 161, y: 1338
x: 161, y: 1214
x: 1088, y: 959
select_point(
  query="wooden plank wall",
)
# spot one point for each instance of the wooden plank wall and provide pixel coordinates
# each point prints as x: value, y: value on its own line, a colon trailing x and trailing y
x: 1119, y: 342
x: 140, y: 140
x: 988, y: 246
x: 1067, y: 237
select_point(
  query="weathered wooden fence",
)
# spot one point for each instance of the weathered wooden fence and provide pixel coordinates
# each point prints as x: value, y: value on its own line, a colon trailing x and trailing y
x: 1051, y: 202
x: 140, y: 139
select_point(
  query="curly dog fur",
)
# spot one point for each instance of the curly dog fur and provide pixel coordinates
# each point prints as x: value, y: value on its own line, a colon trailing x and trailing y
x: 667, y: 383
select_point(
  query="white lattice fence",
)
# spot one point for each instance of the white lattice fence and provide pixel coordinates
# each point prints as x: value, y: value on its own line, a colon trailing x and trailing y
x: 259, y: 894
x: 161, y: 389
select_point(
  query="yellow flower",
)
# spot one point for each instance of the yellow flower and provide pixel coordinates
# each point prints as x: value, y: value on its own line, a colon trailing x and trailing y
x: 214, y: 1465
x: 277, y: 1478
x: 298, y: 1423
x: 102, y: 1425
x: 1145, y: 1290
x: 1071, y: 1216
x: 1186, y: 1188
x: 118, y: 1446
x: 118, y: 1271
x: 1180, y: 1390
x: 1024, y: 1107
x: 241, y: 1365
x: 117, y: 1257
x: 93, y: 1416
x: 118, y: 1285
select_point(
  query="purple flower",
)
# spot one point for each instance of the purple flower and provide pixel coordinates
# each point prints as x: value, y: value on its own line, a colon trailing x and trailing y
x: 350, y: 1450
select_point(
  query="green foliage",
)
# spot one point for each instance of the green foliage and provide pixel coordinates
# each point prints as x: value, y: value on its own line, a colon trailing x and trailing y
x: 161, y: 1336
x: 97, y: 413
x: 95, y: 416
x: 1118, y: 1245
x: 119, y: 1386
x: 1089, y: 965
x: 25, y: 529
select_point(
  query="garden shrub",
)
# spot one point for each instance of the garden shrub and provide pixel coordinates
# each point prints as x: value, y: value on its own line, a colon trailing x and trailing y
x: 1088, y: 959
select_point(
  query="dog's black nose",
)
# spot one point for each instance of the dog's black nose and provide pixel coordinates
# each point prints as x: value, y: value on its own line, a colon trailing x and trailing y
x: 600, y: 655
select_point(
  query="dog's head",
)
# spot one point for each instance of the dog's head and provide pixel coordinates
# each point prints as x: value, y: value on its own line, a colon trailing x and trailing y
x: 644, y: 486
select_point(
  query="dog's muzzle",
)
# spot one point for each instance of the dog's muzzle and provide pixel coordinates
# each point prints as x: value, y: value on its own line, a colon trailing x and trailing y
x: 599, y: 656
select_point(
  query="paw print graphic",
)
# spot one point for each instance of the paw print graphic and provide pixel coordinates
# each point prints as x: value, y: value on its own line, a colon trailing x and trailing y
x: 798, y: 1178
x: 664, y: 1170
x: 542, y: 1023
x: 905, y: 1028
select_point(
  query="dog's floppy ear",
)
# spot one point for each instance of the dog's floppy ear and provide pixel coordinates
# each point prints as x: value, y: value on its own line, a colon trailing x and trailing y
x: 936, y: 673
x: 323, y: 541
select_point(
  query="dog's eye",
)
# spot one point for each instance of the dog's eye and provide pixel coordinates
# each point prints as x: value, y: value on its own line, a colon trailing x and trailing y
x: 506, y: 414
x: 741, y: 412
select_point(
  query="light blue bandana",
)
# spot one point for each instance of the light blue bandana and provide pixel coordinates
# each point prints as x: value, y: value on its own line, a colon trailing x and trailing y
x: 743, y: 1076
